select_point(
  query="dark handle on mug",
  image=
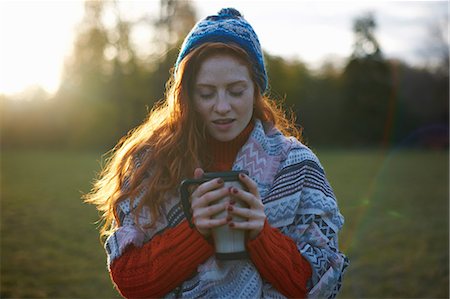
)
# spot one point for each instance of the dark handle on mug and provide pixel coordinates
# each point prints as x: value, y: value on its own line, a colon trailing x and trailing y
x: 184, y: 196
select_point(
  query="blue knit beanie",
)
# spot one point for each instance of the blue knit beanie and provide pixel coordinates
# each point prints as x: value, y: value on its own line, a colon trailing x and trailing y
x: 228, y: 26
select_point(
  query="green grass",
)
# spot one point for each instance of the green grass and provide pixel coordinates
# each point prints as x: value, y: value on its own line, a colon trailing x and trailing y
x: 396, y: 230
x: 49, y: 241
x: 396, y: 233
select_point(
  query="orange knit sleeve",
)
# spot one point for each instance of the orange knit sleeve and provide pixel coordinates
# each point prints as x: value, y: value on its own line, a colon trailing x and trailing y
x: 279, y: 262
x: 159, y: 266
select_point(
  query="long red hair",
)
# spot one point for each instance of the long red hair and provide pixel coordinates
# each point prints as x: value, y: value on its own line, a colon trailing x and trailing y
x: 170, y: 142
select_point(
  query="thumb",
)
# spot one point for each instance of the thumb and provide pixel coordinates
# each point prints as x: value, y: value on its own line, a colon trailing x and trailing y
x: 198, y: 173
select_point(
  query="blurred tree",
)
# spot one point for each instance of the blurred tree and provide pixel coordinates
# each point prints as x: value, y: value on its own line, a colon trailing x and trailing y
x: 81, y: 96
x: 366, y: 87
x: 439, y: 39
x: 365, y: 44
x: 321, y: 110
x: 287, y: 75
x: 85, y: 70
x: 422, y: 102
x: 435, y: 47
x: 106, y: 87
x: 124, y: 91
x: 313, y: 97
x: 175, y: 20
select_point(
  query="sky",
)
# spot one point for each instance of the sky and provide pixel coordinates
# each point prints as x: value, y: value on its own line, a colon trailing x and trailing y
x: 36, y: 36
x: 298, y: 29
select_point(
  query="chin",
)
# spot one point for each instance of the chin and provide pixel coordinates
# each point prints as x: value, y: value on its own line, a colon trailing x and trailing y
x: 224, y: 137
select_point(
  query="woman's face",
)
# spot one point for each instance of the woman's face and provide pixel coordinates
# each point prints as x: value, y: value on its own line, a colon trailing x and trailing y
x: 224, y: 96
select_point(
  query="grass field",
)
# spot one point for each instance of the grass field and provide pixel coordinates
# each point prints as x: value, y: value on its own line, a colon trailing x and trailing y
x: 395, y: 205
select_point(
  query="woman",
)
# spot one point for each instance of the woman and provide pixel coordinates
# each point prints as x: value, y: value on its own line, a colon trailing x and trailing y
x: 216, y: 118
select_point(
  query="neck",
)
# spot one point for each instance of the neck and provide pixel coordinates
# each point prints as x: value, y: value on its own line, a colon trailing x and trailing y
x: 223, y: 153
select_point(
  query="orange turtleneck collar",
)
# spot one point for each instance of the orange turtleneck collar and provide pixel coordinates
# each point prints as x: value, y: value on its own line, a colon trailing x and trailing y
x: 223, y: 154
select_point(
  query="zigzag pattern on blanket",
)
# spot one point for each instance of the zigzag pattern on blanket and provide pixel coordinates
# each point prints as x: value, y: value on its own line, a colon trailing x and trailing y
x: 273, y: 143
x: 262, y: 155
x: 328, y: 266
x: 256, y: 164
x: 308, y: 216
x: 301, y: 203
x: 314, y: 199
x: 316, y: 239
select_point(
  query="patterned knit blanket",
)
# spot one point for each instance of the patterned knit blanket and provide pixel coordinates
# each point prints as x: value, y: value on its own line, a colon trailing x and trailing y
x: 298, y: 201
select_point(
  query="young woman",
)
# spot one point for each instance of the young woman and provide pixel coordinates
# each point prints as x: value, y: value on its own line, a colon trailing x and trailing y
x: 215, y: 117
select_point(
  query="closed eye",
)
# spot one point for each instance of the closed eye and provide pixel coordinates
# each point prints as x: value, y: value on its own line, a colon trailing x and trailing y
x: 206, y: 96
x: 236, y: 94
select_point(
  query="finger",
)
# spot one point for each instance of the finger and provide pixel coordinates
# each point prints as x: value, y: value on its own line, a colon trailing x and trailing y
x: 246, y: 225
x: 198, y: 173
x: 250, y: 199
x: 209, y: 197
x: 207, y: 187
x: 246, y: 213
x: 205, y: 224
x: 250, y: 184
x: 209, y: 211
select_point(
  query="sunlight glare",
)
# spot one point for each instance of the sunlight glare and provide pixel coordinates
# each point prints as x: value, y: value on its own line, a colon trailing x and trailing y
x: 35, y: 38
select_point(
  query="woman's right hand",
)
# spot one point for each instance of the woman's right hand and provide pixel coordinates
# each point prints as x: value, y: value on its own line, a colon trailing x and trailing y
x: 203, y: 206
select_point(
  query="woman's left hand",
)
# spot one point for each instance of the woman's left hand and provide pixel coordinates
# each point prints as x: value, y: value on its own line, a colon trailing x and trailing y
x: 254, y: 213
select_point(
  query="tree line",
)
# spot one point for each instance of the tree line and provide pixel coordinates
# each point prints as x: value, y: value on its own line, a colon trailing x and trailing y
x: 107, y: 89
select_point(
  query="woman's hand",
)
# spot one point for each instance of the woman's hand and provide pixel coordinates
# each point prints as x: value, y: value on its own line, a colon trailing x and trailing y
x: 254, y: 213
x: 203, y: 206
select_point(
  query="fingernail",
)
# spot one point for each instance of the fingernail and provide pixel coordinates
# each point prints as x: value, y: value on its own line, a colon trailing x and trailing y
x: 231, y: 224
x: 230, y: 208
x: 229, y: 218
x: 232, y: 201
x: 235, y: 191
x: 220, y: 181
x: 241, y: 175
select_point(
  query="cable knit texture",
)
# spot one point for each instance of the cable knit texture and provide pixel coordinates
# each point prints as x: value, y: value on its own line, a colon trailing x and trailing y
x: 162, y: 264
x: 227, y: 26
x: 278, y: 261
x: 224, y: 153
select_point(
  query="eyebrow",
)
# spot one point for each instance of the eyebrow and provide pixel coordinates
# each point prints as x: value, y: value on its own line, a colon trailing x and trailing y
x: 229, y: 84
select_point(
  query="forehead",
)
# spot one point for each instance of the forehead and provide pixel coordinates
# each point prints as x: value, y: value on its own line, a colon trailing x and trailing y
x: 222, y: 68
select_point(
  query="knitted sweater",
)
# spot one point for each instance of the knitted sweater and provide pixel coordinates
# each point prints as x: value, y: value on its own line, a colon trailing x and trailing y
x: 302, y: 224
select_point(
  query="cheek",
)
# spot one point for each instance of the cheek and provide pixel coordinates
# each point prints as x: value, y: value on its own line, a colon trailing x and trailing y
x: 247, y: 107
x: 201, y: 109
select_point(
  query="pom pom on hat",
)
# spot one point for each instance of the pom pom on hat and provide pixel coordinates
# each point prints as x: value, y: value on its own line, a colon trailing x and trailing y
x: 229, y: 12
x: 228, y: 26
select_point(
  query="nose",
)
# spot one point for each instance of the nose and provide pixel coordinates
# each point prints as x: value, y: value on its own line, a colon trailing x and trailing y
x: 222, y: 105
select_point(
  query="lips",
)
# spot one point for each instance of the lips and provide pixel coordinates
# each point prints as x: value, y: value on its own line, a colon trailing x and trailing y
x: 223, y: 124
x: 223, y: 121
